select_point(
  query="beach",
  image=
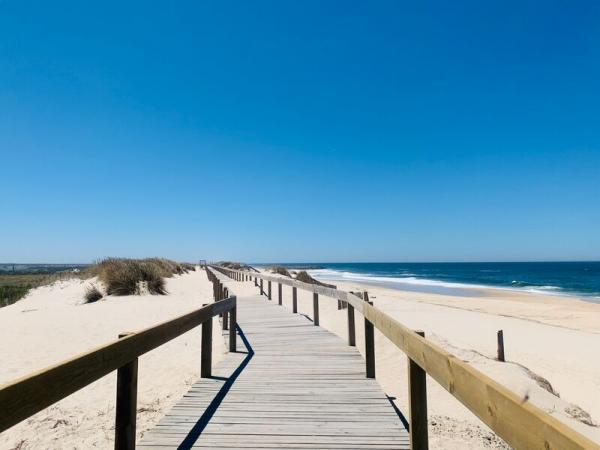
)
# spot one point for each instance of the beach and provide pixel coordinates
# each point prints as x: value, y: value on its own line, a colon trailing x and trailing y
x: 547, y: 338
x: 51, y: 324
x: 551, y: 347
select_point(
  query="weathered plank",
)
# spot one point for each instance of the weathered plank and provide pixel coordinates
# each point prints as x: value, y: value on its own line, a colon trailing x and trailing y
x: 291, y: 385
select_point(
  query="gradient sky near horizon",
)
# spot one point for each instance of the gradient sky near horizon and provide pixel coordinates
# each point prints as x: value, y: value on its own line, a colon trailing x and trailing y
x: 300, y: 130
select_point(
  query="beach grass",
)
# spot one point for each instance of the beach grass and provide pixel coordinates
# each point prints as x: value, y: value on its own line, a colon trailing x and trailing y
x: 15, y: 285
x: 123, y: 276
x: 280, y: 270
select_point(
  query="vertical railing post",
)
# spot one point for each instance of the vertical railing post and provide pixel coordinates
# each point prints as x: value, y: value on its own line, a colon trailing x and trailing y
x: 126, y: 406
x: 369, y: 343
x: 294, y: 300
x: 315, y: 309
x: 280, y: 294
x: 269, y: 289
x: 261, y: 287
x: 417, y: 400
x: 232, y: 326
x: 351, y: 326
x: 501, y: 345
x: 206, y: 349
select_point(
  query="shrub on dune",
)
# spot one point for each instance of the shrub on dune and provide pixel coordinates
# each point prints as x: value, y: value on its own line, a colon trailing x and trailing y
x: 280, y: 270
x: 92, y: 294
x: 123, y: 276
x: 306, y: 278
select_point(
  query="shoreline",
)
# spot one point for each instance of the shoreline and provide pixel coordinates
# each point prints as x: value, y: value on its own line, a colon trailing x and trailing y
x: 550, y: 344
x: 433, y: 286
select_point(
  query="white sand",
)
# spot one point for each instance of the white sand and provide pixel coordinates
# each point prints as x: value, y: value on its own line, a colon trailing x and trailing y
x: 555, y: 337
x: 51, y: 324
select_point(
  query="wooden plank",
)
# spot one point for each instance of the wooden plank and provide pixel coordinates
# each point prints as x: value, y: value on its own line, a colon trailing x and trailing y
x: 517, y: 421
x: 302, y: 387
x: 26, y: 396
x: 417, y: 401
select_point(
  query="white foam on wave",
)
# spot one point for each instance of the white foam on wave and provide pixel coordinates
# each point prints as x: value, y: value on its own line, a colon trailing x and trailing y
x: 338, y: 275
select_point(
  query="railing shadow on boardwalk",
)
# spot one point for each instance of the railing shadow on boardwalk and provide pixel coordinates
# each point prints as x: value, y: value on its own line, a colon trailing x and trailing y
x: 212, y: 408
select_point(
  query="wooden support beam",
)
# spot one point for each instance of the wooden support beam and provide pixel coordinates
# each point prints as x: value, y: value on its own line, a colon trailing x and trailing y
x: 269, y: 290
x: 280, y: 294
x: 294, y: 300
x: 351, y: 327
x: 232, y: 329
x: 501, y: 345
x: 417, y: 400
x: 126, y: 407
x: 206, y: 349
x: 316, y: 309
x: 369, y: 343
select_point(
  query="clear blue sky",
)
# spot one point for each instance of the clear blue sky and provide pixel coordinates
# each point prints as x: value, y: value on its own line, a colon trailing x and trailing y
x: 300, y: 131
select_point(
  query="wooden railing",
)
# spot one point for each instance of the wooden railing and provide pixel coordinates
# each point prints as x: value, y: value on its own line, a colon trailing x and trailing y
x: 26, y: 396
x: 521, y: 424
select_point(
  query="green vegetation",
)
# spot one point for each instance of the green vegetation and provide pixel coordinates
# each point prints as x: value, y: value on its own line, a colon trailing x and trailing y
x: 123, y: 276
x: 15, y: 285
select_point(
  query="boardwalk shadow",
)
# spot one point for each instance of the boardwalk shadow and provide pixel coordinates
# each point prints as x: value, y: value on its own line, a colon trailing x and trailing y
x: 209, y: 412
x: 398, y: 412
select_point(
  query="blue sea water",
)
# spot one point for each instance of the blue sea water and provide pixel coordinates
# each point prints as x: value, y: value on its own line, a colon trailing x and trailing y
x: 567, y: 278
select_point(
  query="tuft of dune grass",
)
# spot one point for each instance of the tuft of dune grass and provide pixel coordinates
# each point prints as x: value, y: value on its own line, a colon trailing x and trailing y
x: 280, y: 270
x: 306, y: 278
x: 92, y: 294
x: 122, y: 276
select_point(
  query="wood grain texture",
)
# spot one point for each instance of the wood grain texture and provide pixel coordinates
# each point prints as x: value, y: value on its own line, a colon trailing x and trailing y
x: 26, y: 396
x: 300, y: 387
x: 521, y: 424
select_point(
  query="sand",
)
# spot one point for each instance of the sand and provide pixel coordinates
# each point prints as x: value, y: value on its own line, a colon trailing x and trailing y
x: 547, y: 337
x: 52, y: 324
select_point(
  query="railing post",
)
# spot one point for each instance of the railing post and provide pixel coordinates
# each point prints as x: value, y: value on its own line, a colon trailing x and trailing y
x: 269, y: 288
x: 280, y: 295
x: 369, y: 343
x: 232, y: 326
x: 126, y: 406
x: 294, y: 300
x: 315, y: 309
x: 417, y: 400
x: 261, y: 287
x: 351, y: 326
x: 501, y: 345
x: 206, y: 350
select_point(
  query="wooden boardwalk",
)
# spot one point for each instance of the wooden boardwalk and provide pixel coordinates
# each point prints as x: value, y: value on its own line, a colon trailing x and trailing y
x: 291, y: 385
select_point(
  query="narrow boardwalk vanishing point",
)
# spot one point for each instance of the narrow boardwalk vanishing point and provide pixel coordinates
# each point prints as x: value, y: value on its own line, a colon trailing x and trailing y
x: 291, y: 385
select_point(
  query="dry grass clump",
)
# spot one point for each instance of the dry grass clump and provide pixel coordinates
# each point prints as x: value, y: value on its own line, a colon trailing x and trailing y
x: 280, y: 270
x: 306, y: 278
x: 123, y: 276
x: 92, y: 294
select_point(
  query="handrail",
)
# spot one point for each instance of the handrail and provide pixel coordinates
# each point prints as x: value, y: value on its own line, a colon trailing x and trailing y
x: 21, y: 398
x: 520, y: 423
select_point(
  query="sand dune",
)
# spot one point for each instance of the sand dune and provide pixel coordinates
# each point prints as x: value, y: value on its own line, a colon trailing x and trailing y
x: 550, y: 341
x: 51, y: 324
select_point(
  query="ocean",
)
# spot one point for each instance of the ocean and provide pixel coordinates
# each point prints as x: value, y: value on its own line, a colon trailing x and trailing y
x: 580, y: 279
